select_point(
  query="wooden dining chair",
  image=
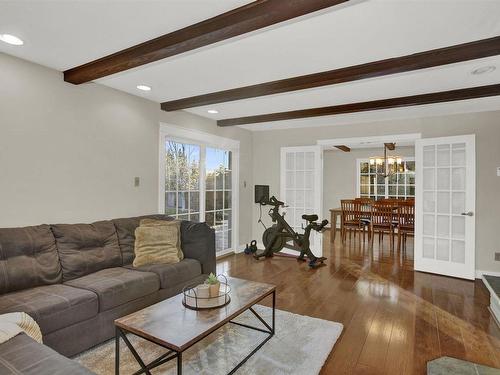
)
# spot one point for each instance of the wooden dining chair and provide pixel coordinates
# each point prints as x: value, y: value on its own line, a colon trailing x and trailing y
x: 382, y: 220
x: 350, y: 217
x: 406, y: 222
x: 366, y: 208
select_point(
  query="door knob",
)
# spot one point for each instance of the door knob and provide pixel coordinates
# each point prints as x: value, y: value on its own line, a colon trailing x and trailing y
x: 470, y: 213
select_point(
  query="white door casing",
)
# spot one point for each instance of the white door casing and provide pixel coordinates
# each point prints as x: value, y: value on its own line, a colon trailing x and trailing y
x: 445, y: 206
x: 301, y: 188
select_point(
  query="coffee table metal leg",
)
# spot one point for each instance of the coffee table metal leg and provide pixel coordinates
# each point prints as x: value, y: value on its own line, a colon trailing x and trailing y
x: 179, y: 363
x: 144, y: 368
x: 117, y: 351
x: 274, y: 310
x: 270, y: 332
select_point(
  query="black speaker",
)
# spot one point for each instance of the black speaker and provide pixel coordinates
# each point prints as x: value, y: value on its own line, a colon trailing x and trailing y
x: 261, y: 193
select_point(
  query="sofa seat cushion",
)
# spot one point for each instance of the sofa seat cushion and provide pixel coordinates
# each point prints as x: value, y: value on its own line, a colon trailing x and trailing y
x: 173, y: 274
x: 23, y: 355
x: 52, y: 306
x: 117, y: 286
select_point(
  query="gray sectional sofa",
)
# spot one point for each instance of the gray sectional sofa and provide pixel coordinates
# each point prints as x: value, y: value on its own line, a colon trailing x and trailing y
x: 76, y: 279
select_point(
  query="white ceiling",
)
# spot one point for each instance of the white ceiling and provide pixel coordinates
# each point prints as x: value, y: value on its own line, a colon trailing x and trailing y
x: 63, y: 34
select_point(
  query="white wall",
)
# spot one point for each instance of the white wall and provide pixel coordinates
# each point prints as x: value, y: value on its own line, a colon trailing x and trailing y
x: 70, y: 153
x: 486, y: 126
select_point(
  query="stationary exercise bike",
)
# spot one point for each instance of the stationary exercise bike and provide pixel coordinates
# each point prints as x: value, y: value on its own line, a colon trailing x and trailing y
x: 275, y: 237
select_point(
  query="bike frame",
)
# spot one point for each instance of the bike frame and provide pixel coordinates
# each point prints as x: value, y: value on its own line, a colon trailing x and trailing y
x: 283, y: 231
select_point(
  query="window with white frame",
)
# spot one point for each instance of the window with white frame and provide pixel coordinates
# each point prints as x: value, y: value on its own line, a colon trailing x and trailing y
x: 182, y: 180
x: 218, y: 202
x: 198, y: 180
x: 370, y: 184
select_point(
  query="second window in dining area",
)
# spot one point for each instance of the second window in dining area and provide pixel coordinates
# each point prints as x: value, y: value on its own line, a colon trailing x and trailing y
x: 372, y: 185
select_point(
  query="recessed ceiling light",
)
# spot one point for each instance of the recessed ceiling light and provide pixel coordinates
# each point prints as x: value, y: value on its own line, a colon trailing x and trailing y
x: 11, y: 39
x: 144, y: 87
x: 484, y: 69
x: 213, y: 111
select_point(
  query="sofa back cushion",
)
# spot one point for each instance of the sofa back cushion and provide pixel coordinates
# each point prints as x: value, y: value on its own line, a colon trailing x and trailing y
x: 125, y: 229
x: 86, y: 248
x: 198, y: 242
x: 28, y: 258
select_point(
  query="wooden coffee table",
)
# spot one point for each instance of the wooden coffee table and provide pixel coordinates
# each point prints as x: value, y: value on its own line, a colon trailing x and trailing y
x: 171, y: 325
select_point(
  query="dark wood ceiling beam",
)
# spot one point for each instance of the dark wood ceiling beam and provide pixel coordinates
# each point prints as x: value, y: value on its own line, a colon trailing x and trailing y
x: 242, y: 20
x: 405, y: 101
x: 343, y: 148
x: 428, y: 59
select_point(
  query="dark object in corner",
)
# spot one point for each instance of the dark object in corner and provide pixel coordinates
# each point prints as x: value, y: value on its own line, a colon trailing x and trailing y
x: 252, y: 248
x: 261, y: 194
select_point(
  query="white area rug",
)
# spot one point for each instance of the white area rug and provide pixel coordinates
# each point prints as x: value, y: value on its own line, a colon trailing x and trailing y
x: 300, y: 346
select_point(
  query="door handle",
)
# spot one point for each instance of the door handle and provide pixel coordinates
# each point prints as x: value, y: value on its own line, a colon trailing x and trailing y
x: 470, y: 213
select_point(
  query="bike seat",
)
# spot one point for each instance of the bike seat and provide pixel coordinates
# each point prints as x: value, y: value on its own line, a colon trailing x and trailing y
x: 310, y: 217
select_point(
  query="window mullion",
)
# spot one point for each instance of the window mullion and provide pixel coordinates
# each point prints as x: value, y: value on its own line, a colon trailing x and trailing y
x: 386, y: 192
x: 202, y: 185
x: 178, y: 174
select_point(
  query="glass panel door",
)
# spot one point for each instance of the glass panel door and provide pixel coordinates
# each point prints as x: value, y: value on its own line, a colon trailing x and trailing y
x: 445, y: 224
x: 182, y: 180
x: 199, y: 187
x: 218, y: 197
x: 198, y: 181
x: 301, y: 188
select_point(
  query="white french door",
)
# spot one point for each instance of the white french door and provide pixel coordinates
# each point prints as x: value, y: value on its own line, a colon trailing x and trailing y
x: 198, y: 181
x: 301, y: 182
x: 445, y: 206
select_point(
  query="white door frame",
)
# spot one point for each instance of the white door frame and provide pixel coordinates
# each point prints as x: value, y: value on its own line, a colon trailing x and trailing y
x: 434, y: 265
x: 201, y: 138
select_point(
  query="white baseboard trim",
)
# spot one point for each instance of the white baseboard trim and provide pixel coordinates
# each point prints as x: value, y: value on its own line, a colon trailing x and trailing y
x: 479, y: 273
x: 224, y: 253
x: 240, y: 249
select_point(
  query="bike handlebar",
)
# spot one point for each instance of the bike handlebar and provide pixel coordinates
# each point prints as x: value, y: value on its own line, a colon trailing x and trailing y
x: 323, y: 224
x: 319, y: 227
x: 274, y: 202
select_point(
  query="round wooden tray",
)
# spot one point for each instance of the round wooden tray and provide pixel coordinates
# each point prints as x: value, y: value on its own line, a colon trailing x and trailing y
x: 192, y: 301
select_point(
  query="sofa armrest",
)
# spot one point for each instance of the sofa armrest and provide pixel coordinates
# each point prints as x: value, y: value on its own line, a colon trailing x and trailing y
x: 198, y: 242
x: 23, y: 355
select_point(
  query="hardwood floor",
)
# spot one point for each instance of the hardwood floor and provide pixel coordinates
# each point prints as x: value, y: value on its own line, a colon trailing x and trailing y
x: 395, y: 319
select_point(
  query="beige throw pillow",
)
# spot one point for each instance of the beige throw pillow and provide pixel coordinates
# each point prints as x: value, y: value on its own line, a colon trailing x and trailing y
x: 156, y: 223
x: 156, y: 244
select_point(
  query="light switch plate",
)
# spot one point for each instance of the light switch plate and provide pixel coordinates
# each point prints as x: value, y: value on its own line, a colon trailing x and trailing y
x: 137, y: 181
x: 498, y: 171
